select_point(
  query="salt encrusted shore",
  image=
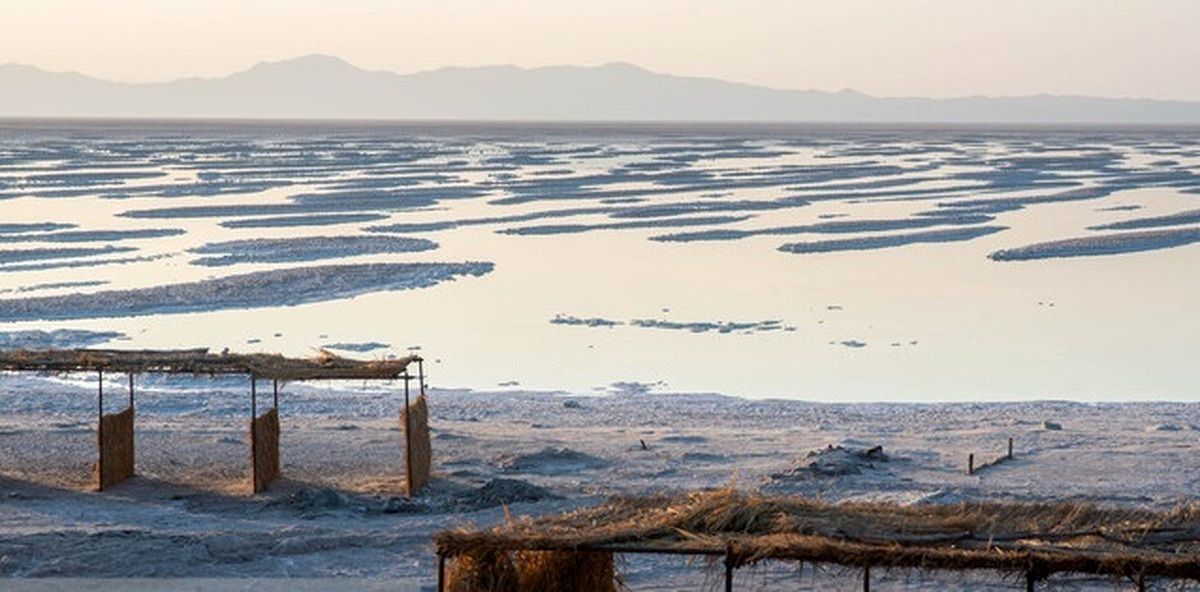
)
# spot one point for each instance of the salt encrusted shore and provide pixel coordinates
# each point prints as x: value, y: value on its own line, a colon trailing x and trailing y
x: 337, y: 512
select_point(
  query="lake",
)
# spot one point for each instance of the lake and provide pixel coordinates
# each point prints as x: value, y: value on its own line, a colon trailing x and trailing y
x: 828, y: 263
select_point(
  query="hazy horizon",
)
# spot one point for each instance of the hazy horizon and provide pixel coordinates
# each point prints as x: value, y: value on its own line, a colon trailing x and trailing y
x: 307, y: 56
x: 894, y: 48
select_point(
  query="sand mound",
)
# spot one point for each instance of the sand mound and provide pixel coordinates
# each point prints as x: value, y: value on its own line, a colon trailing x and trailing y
x: 499, y: 492
x: 312, y: 502
x: 834, y: 461
x: 1163, y: 427
x: 550, y: 461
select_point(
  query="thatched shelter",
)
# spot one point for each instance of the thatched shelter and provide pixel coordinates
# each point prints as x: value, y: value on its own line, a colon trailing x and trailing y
x: 1032, y: 540
x: 115, y: 431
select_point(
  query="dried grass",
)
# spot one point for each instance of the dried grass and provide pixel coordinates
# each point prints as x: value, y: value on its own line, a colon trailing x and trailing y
x: 115, y: 441
x: 1038, y: 538
x: 498, y: 571
x: 418, y: 452
x: 199, y: 361
x: 264, y: 450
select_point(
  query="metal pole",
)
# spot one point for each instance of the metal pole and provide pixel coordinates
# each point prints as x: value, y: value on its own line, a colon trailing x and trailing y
x: 1010, y: 442
x: 253, y: 397
x: 131, y: 390
x: 1141, y: 582
x: 275, y: 383
x: 867, y: 578
x: 970, y: 464
x: 1029, y: 579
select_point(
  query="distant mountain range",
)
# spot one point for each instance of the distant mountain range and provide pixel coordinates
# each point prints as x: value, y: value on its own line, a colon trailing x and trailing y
x: 323, y: 87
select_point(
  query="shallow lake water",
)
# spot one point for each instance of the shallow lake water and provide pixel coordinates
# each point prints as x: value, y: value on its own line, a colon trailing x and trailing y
x: 822, y: 263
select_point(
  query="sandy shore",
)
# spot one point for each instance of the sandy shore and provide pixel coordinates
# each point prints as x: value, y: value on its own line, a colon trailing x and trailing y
x: 337, y: 514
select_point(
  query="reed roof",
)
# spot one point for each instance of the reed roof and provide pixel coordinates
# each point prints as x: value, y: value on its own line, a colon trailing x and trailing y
x: 201, y: 361
x: 1031, y: 538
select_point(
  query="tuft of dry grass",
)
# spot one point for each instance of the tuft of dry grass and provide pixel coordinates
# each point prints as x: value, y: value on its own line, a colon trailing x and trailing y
x: 484, y: 571
x: 550, y: 571
x: 566, y: 571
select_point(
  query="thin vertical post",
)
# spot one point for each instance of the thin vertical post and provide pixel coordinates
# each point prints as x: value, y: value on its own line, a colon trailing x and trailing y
x: 100, y: 432
x: 441, y: 583
x: 1141, y: 582
x: 729, y: 568
x: 1010, y: 443
x: 132, y: 425
x: 408, y: 459
x: 1029, y: 580
x: 867, y: 578
x: 421, y: 374
x: 275, y: 383
x: 253, y: 435
x: 970, y: 464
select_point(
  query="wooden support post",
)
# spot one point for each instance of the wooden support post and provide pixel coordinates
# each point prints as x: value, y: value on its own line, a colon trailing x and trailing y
x: 114, y: 441
x: 421, y: 374
x: 1029, y: 581
x: 264, y: 443
x: 275, y: 384
x: 441, y: 583
x: 1010, y: 443
x: 100, y: 434
x: 253, y: 440
x: 970, y: 464
x: 867, y: 579
x: 729, y: 568
x: 132, y: 421
x: 408, y: 458
x: 1141, y: 582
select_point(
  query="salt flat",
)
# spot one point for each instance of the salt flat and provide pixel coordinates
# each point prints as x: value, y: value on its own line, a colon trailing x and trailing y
x: 337, y: 513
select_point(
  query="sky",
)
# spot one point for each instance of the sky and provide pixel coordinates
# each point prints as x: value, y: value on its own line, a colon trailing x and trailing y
x: 936, y: 48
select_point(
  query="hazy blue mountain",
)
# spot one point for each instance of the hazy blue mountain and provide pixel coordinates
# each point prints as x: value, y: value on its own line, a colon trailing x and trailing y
x: 327, y: 87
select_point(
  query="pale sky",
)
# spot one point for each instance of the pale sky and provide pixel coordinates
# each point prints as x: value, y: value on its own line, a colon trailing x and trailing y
x: 1117, y: 48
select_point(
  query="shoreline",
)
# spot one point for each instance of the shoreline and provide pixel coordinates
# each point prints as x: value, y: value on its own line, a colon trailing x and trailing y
x: 338, y: 512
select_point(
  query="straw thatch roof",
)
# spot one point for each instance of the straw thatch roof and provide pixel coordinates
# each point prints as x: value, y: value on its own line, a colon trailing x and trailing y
x: 1035, y: 539
x: 200, y: 361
